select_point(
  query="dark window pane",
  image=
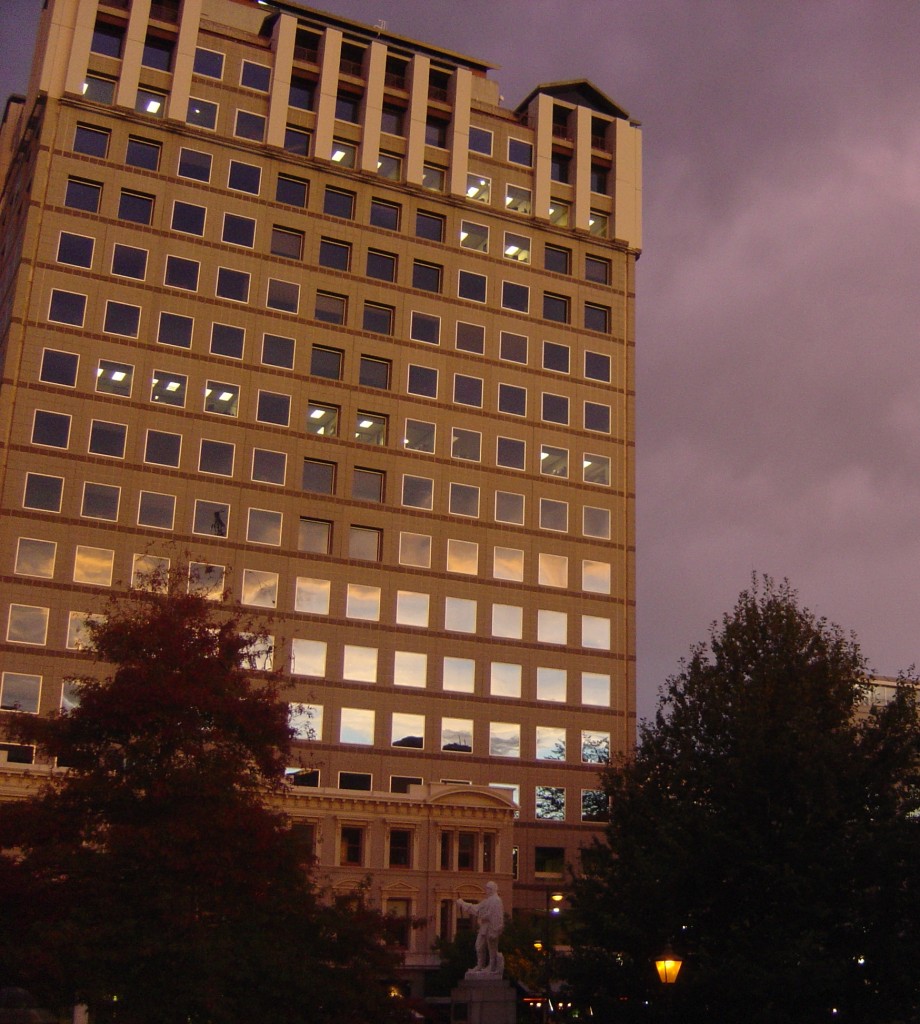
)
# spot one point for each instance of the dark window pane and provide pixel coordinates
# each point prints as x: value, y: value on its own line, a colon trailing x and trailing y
x: 326, y: 362
x: 59, y: 367
x: 43, y: 492
x: 335, y: 255
x: 378, y: 318
x: 135, y: 207
x: 189, y: 218
x: 181, y: 273
x: 301, y: 94
x: 330, y: 308
x: 209, y: 63
x: 338, y: 204
x: 75, y: 250
x: 471, y: 286
x: 287, y: 243
x: 82, y: 195
x: 239, y: 230
x: 232, y: 284
x: 216, y: 457
x: 120, y: 318
x: 555, y: 307
x: 278, y: 351
x: 227, y: 340
x: 292, y: 191
x: 244, y: 177
x: 91, y: 141
x: 374, y: 373
x: 381, y: 265
x: 384, y: 215
x: 426, y: 276
x: 107, y: 39
x: 318, y: 477
x: 162, y: 449
x: 157, y: 53
x: 195, y: 165
x: 127, y: 261
x: 430, y: 226
x: 51, y: 428
x: 175, y: 330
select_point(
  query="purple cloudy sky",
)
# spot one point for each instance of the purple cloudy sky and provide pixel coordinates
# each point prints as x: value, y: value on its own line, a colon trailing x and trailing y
x: 779, y: 404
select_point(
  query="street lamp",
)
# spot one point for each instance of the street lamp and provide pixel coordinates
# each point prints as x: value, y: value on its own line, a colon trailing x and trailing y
x: 668, y: 966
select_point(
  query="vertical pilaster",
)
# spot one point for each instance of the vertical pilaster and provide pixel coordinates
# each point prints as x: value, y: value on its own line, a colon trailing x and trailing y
x: 419, y: 70
x: 581, y: 168
x: 284, y: 37
x: 67, y: 53
x: 461, y: 89
x: 372, y: 106
x: 330, y: 58
x: 541, y: 118
x: 128, y: 81
x: 184, y: 60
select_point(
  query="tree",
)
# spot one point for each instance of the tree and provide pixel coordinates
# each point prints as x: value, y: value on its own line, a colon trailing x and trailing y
x: 767, y: 828
x: 150, y: 880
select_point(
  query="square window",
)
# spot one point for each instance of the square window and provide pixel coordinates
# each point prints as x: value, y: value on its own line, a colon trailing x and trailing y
x: 194, y: 164
x: 150, y: 101
x: 20, y: 692
x: 504, y: 739
x: 99, y: 89
x: 599, y: 179
x: 433, y: 178
x: 550, y: 803
x: 426, y: 276
x: 554, y: 570
x: 459, y: 675
x: 175, y: 330
x: 296, y: 141
x: 232, y: 284
x: 322, y: 420
x: 107, y: 39
x: 255, y: 76
x: 67, y: 308
x: 554, y: 515
x: 381, y: 265
x: 114, y: 378
x: 343, y: 153
x: 459, y: 615
x: 59, y: 367
x: 389, y: 166
x: 552, y: 627
x: 419, y: 436
x: 520, y: 152
x: 283, y: 295
x: 107, y: 439
x: 462, y: 557
x: 181, y: 273
x: 467, y: 390
x: 273, y: 408
x: 330, y: 309
x: 513, y: 348
x: 264, y: 527
x: 333, y: 254
x: 510, y: 453
x: 260, y: 588
x: 318, y: 477
x: 555, y: 357
x: 595, y: 576
x: 227, y: 341
x: 480, y: 141
x: 287, y: 242
x: 238, y: 230
x: 418, y: 492
x: 470, y: 337
x: 595, y: 805
x: 51, y: 429
x: 515, y: 296
x: 466, y: 444
x: 268, y: 467
x: 207, y: 580
x: 244, y: 177
x: 555, y: 408
x: 374, y: 373
x: 208, y: 63
x: 188, y: 218
x: 278, y: 351
x: 557, y: 259
x: 211, y: 518
x: 429, y: 226
x: 596, y: 522
x: 162, y: 448
x: 595, y: 632
x: 314, y: 535
x: 410, y: 668
x: 512, y: 400
x: 365, y: 543
x: 326, y: 362
x: 312, y: 596
x: 302, y: 92
x: 425, y: 327
x: 362, y: 602
x: 168, y: 388
x: 597, y: 270
x: 201, y: 113
x: 457, y: 735
x: 370, y: 428
x: 43, y: 493
x: 509, y: 508
x: 464, y: 500
x: 377, y: 318
x: 550, y: 743
x: 93, y: 566
x: 422, y: 380
x: 384, y: 215
x: 337, y: 203
x: 415, y: 549
x: 597, y: 366
x: 35, y: 558
x: 156, y: 510
x: 412, y: 609
x: 478, y: 189
x: 216, y: 457
x: 595, y: 689
x: 128, y: 261
x: 597, y: 318
x: 91, y: 141
x: 474, y: 236
x: 518, y: 200
x: 596, y: 469
x: 221, y: 398
x: 359, y: 664
x: 122, y: 319
x: 598, y: 224
x: 249, y: 126
x: 100, y: 501
x: 556, y: 308
x: 516, y: 247
x: 75, y: 250
x: 552, y: 684
x: 471, y: 286
x: 291, y: 191
x: 559, y: 213
x: 508, y: 564
x: 367, y: 484
x: 157, y: 53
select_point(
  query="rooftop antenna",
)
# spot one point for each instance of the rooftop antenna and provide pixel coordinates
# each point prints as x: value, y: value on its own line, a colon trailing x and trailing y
x: 381, y: 26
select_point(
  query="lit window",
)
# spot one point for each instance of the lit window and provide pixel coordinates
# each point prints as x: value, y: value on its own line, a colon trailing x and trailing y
x: 99, y: 89
x: 516, y: 247
x: 433, y: 178
x: 554, y: 461
x: 474, y: 236
x: 419, y: 436
x: 598, y: 224
x: 168, y: 388
x: 559, y: 213
x: 518, y: 200
x: 370, y: 428
x: 389, y: 166
x: 596, y: 469
x: 322, y: 420
x: 114, y: 378
x: 343, y: 153
x: 478, y: 188
x: 220, y: 398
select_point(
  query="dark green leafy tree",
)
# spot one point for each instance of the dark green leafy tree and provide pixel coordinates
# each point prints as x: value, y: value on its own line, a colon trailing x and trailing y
x: 149, y: 880
x: 767, y: 828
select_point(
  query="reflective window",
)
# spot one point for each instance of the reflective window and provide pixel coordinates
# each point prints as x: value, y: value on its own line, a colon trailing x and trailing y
x: 550, y: 743
x: 504, y: 739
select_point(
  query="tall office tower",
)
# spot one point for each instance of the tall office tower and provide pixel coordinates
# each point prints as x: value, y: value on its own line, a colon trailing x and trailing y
x: 300, y: 301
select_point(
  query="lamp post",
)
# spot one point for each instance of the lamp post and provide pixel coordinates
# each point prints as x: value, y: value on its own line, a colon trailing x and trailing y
x: 546, y: 947
x: 668, y: 965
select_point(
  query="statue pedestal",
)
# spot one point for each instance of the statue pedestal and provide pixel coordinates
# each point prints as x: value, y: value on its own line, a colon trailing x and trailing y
x: 483, y: 999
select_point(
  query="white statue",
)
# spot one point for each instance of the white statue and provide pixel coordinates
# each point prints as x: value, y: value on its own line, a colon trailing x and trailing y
x: 490, y: 914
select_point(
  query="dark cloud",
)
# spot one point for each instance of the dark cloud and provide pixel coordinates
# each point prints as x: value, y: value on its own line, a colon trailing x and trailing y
x: 778, y: 383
